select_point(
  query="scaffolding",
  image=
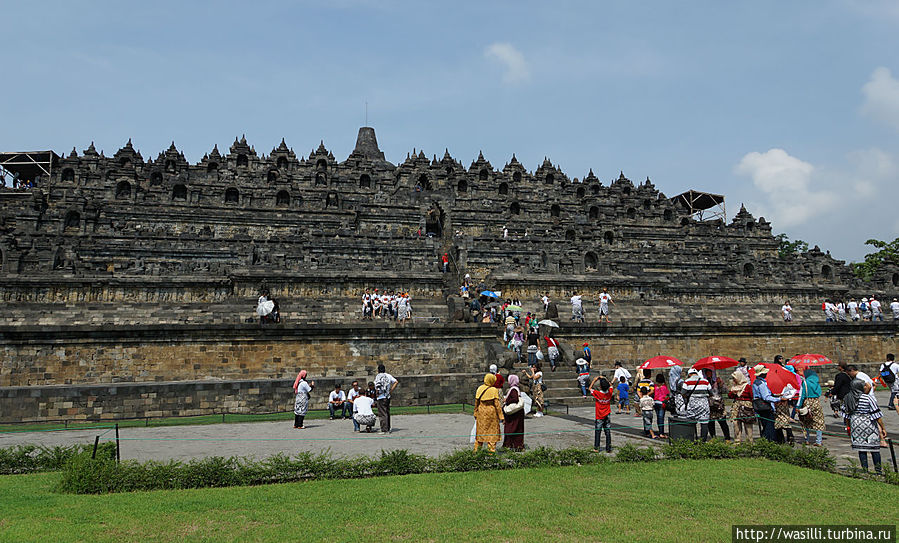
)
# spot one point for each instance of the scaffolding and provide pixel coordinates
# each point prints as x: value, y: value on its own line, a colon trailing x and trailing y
x: 25, y: 166
x: 702, y: 206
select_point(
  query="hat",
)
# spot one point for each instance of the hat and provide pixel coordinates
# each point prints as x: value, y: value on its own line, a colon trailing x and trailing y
x: 580, y: 362
x: 692, y: 371
x: 759, y: 369
x: 585, y: 344
x: 743, y: 360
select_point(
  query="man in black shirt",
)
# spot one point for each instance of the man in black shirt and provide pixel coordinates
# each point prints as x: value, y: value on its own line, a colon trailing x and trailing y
x: 841, y: 383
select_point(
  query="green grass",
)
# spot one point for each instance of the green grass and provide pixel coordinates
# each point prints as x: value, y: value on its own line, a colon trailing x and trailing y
x: 678, y: 500
x: 212, y: 419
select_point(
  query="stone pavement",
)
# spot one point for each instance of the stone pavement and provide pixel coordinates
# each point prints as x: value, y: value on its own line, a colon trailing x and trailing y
x: 423, y: 434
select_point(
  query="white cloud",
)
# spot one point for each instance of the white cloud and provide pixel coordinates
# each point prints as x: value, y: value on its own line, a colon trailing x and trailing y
x: 785, y: 181
x: 515, y: 68
x: 882, y: 97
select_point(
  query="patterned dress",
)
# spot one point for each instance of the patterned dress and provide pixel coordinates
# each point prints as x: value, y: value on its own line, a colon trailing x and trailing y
x: 301, y: 402
x: 863, y: 428
x: 781, y: 415
x: 815, y: 419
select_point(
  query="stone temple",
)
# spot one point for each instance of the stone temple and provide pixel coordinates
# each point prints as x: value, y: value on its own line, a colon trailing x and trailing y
x: 127, y: 283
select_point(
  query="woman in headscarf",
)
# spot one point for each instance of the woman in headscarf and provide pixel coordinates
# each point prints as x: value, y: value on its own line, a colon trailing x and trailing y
x: 674, y: 379
x: 811, y: 415
x: 301, y: 402
x: 514, y: 414
x: 716, y: 403
x: 488, y: 412
x: 866, y: 428
x: 695, y: 391
x: 741, y: 413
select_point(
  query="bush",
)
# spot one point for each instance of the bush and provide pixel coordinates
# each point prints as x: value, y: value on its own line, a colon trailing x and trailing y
x: 33, y: 458
x: 698, y: 450
x: 630, y: 453
x: 808, y: 457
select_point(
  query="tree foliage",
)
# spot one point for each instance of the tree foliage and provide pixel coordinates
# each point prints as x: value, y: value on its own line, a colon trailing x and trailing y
x: 787, y: 247
x: 888, y: 253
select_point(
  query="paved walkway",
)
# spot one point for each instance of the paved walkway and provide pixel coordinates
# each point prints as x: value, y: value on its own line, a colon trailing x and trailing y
x: 423, y: 434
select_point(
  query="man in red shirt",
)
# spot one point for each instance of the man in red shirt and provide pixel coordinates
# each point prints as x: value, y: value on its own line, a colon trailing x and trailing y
x: 445, y: 261
x: 603, y: 399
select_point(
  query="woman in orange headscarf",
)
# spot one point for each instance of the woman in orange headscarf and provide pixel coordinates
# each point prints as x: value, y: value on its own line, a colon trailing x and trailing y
x: 488, y: 412
x: 302, y: 389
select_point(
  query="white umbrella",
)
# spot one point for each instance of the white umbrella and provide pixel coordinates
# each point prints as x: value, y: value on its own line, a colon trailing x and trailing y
x: 527, y: 402
x: 547, y: 322
x: 265, y: 308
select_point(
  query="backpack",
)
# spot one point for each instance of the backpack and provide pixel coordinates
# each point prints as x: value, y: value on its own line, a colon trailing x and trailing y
x: 863, y: 306
x: 886, y: 373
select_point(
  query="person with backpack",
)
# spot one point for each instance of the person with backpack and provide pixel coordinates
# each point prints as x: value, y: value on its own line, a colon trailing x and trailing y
x: 889, y: 371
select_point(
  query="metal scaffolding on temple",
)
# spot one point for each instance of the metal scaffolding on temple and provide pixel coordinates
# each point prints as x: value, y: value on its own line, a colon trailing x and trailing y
x: 702, y: 206
x: 26, y: 166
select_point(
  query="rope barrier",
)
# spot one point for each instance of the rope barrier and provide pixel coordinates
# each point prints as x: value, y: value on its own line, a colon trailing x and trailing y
x: 55, y: 430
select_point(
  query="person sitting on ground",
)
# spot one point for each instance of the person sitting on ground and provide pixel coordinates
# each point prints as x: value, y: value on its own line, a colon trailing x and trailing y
x: 623, y: 396
x: 337, y: 400
x: 363, y: 414
x: 603, y: 412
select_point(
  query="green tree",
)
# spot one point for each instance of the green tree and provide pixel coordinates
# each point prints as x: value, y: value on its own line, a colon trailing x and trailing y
x: 787, y: 247
x: 888, y: 253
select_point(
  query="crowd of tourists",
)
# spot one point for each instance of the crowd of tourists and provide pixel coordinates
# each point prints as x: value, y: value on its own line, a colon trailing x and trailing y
x: 868, y: 309
x: 358, y: 404
x: 387, y: 304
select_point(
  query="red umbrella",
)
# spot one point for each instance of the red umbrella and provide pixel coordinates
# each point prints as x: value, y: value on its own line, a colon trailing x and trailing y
x: 715, y: 363
x: 806, y: 360
x: 778, y: 377
x: 660, y: 362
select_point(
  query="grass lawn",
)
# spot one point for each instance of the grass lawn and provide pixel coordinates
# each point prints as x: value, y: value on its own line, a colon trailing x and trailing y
x: 683, y: 500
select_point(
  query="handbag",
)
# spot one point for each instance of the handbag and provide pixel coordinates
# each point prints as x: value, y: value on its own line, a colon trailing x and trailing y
x: 543, y: 387
x: 513, y: 408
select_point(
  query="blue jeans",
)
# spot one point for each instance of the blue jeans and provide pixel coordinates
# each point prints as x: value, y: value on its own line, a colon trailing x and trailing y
x: 766, y: 424
x: 660, y: 416
x: 356, y: 426
x: 344, y: 408
x: 603, y: 425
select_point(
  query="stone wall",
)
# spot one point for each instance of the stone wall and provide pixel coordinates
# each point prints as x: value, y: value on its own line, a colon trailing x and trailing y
x: 185, y: 398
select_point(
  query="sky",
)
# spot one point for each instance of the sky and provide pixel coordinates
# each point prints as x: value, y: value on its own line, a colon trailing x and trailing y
x: 791, y: 108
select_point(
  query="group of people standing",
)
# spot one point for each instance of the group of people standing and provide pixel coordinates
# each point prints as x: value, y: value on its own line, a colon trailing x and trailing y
x: 577, y: 306
x: 492, y: 408
x: 868, y: 309
x: 387, y: 304
x: 358, y: 402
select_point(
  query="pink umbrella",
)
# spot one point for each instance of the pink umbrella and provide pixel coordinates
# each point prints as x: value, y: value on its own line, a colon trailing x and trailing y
x: 778, y: 377
x: 715, y: 363
x: 806, y: 360
x: 660, y: 361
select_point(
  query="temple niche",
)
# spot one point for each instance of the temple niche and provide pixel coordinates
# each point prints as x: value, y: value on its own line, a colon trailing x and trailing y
x: 231, y: 212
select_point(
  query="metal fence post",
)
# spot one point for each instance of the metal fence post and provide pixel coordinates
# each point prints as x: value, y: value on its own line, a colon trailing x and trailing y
x: 118, y: 455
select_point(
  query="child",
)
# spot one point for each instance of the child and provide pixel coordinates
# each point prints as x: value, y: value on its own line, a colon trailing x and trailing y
x: 646, y: 405
x: 623, y: 389
x: 603, y: 399
x: 583, y: 375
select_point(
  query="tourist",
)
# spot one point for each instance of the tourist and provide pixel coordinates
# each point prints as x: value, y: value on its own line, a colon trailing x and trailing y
x: 876, y: 310
x: 500, y: 380
x: 603, y: 412
x: 716, y: 404
x: 782, y: 428
x: 865, y: 309
x: 517, y: 341
x: 514, y: 416
x: 623, y: 390
x: 763, y: 403
x: 604, y: 299
x: 488, y: 413
x: 445, y: 261
x: 371, y: 392
x: 646, y: 404
x: 695, y: 397
x: 533, y: 345
x: 852, y: 306
x: 384, y: 385
x: 403, y: 309
x: 894, y: 307
x: 811, y: 416
x: 659, y: 394
x: 889, y: 376
x: 351, y: 395
x: 301, y: 390
x: 583, y: 375
x: 741, y: 413
x: 674, y: 379
x: 545, y: 300
x: 535, y: 374
x: 854, y: 373
x: 621, y: 372
x: 337, y: 400
x: 866, y: 429
x: 363, y: 414
x: 552, y: 350
x: 829, y: 311
x: 577, y: 309
x: 588, y: 356
x: 841, y: 311
x: 743, y: 367
x: 786, y: 311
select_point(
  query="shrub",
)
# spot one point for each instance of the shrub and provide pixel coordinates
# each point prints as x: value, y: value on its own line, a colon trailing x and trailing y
x: 399, y: 462
x: 33, y: 458
x: 630, y: 453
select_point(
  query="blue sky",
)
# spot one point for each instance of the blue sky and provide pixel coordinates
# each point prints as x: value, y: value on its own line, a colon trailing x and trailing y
x: 789, y: 107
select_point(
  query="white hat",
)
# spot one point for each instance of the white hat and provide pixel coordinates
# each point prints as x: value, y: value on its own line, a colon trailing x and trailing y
x: 692, y: 371
x: 492, y: 368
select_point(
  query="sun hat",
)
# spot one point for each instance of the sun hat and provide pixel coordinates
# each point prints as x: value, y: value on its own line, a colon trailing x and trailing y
x: 759, y: 369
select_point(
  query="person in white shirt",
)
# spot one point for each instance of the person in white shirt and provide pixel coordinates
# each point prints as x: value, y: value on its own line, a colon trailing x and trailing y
x: 604, y: 299
x: 545, y: 300
x: 829, y: 311
x: 362, y: 411
x: 351, y: 396
x: 876, y: 311
x: 337, y: 400
x: 891, y: 366
x: 894, y: 307
x: 852, y: 306
x: 841, y: 312
x: 854, y: 373
x: 786, y: 310
x: 621, y: 372
x: 577, y: 310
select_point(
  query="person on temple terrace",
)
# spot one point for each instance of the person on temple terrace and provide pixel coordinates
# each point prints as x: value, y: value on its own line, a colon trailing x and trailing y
x: 604, y: 299
x: 384, y: 385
